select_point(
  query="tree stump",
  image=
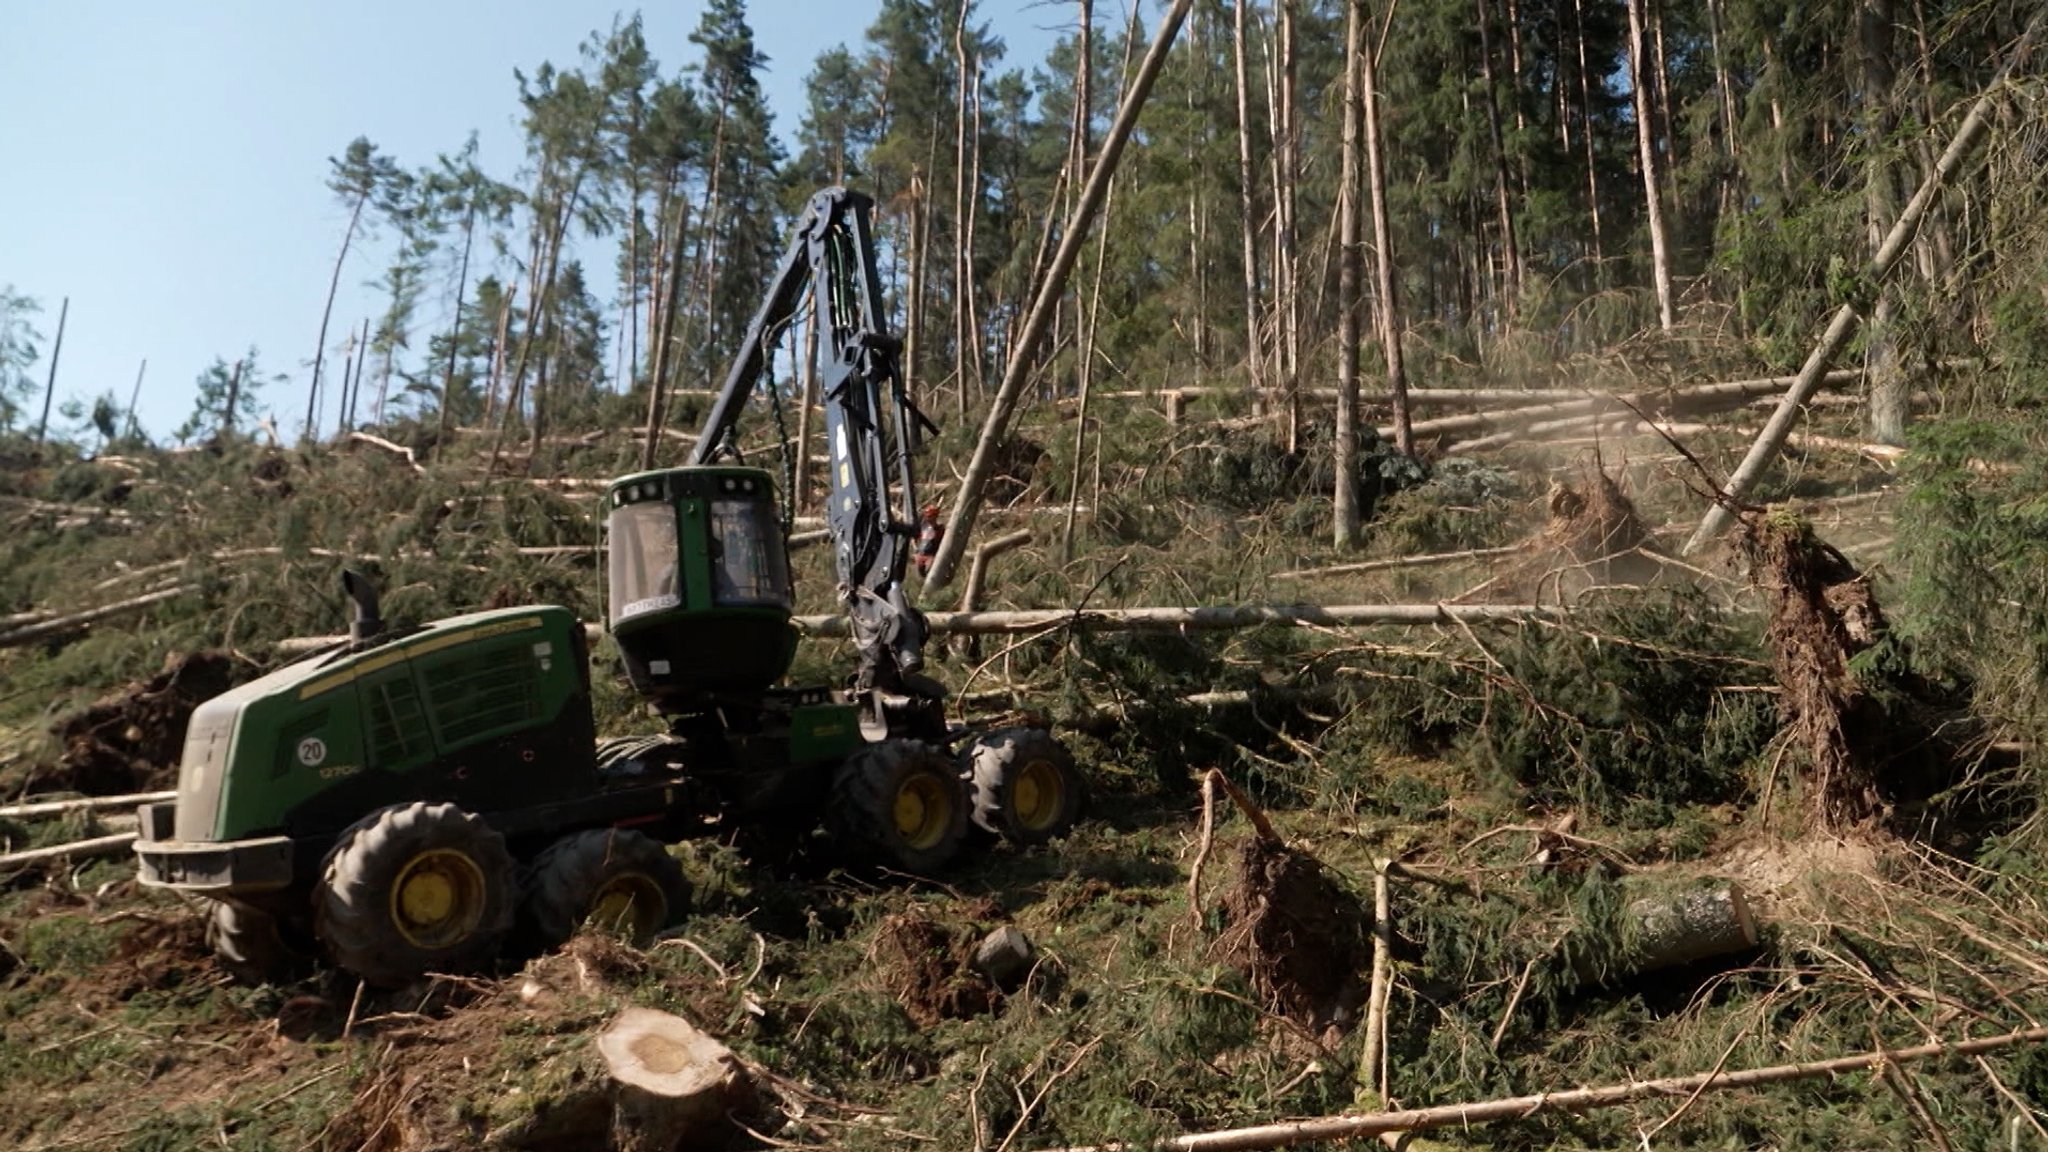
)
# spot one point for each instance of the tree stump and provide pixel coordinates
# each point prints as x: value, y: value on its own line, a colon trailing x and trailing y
x: 1674, y: 927
x: 675, y: 1086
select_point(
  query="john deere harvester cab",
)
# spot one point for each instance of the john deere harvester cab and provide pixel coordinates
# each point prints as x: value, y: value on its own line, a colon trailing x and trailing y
x: 698, y: 593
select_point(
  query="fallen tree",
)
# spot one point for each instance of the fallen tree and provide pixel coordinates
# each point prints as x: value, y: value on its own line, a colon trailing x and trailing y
x: 1334, y: 1128
x: 1211, y: 618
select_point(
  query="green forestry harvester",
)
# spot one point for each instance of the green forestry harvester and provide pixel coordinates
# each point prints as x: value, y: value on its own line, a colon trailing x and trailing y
x: 405, y: 800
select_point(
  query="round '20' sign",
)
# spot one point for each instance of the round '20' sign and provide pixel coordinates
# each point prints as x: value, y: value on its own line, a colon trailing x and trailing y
x: 312, y: 750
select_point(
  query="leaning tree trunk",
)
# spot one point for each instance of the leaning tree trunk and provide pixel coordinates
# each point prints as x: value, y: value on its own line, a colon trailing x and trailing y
x: 1843, y: 325
x: 355, y: 216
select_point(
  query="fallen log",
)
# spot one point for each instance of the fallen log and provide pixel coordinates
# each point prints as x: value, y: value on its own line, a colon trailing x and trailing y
x: 1674, y: 927
x: 674, y: 1086
x: 1650, y: 402
x: 58, y: 625
x: 388, y: 446
x: 1199, y: 619
x: 83, y: 804
x: 1608, y: 424
x: 1334, y: 1128
x: 76, y: 850
x: 1432, y: 559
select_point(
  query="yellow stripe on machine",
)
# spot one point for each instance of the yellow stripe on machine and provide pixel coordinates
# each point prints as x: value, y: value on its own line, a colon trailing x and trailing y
x: 422, y: 648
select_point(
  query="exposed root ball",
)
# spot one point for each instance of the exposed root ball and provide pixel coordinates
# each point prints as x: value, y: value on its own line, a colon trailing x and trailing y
x: 929, y: 969
x: 1297, y: 934
x: 1822, y: 615
x: 130, y: 740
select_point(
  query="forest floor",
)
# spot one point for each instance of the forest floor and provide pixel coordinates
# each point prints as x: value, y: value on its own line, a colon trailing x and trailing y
x: 1536, y: 783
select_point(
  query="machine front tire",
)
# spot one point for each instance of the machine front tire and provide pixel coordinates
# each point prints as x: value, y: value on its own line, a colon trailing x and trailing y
x: 250, y: 946
x: 900, y: 804
x: 618, y: 881
x: 1025, y: 786
x: 415, y: 888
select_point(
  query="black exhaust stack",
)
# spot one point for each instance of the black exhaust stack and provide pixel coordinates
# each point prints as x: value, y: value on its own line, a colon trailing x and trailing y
x: 365, y: 623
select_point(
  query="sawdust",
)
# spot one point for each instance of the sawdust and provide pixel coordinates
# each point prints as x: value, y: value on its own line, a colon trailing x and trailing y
x: 1592, y: 539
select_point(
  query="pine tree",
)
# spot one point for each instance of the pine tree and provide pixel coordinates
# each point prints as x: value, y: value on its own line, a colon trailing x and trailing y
x: 19, y: 347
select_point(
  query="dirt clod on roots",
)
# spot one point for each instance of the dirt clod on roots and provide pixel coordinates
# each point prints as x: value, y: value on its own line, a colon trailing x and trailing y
x: 1822, y: 615
x: 1297, y: 934
x: 929, y: 969
x: 130, y: 740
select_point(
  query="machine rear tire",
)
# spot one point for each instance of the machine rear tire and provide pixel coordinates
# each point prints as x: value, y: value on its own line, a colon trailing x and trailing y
x: 611, y: 878
x: 1024, y: 784
x: 412, y: 889
x: 900, y: 804
x: 250, y: 945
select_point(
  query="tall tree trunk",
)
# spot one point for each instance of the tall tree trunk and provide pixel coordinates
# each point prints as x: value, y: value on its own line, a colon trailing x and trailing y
x: 355, y: 215
x: 1516, y: 100
x: 1511, y: 263
x: 1653, y: 205
x: 227, y: 416
x: 1774, y: 79
x: 1660, y: 99
x: 50, y: 388
x: 1586, y: 136
x: 799, y: 485
x: 348, y: 364
x: 1389, y: 310
x: 498, y: 342
x: 128, y: 425
x: 1888, y: 384
x: 1285, y: 73
x: 1023, y: 355
x: 1254, y: 351
x: 455, y: 326
x: 1345, y: 509
x: 975, y: 353
x: 1085, y: 329
x: 665, y: 314
x: 920, y: 258
x: 963, y: 263
x: 1197, y: 204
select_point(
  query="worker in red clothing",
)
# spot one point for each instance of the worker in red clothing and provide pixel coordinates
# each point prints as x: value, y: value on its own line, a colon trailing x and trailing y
x: 929, y: 533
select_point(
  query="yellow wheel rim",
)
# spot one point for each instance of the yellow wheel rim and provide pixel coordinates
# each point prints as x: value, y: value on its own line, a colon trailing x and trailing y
x: 923, y: 809
x: 438, y: 898
x: 1037, y: 795
x: 630, y: 903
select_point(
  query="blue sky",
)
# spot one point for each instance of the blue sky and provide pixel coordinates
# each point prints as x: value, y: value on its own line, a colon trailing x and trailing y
x: 162, y: 164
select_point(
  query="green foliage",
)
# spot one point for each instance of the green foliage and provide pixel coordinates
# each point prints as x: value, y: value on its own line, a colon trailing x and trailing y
x: 1629, y: 712
x: 18, y: 351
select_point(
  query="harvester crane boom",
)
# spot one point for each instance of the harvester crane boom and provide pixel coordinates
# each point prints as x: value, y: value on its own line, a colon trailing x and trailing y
x: 871, y: 427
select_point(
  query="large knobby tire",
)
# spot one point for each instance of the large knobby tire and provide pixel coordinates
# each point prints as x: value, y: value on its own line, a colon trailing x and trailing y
x: 621, y: 882
x: 250, y: 946
x: 1025, y: 786
x: 901, y: 805
x: 415, y: 888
